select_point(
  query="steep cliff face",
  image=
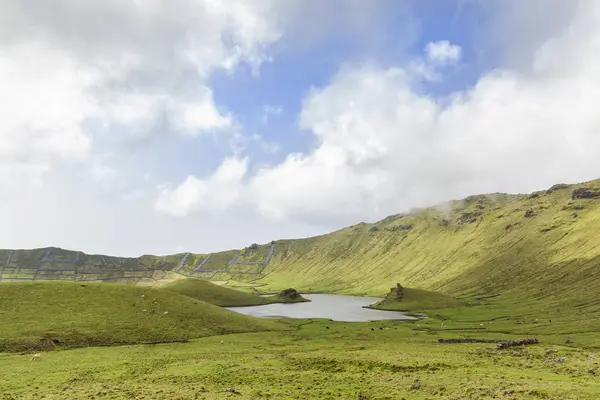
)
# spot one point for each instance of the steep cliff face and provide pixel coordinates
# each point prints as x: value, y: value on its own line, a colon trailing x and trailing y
x: 480, y: 246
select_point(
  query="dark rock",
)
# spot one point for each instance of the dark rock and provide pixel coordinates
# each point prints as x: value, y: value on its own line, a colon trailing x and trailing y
x: 374, y: 229
x: 512, y: 343
x: 290, y: 294
x: 584, y: 193
x: 446, y: 222
x: 253, y: 246
x: 507, y: 227
x: 529, y: 213
x: 396, y: 293
x: 559, y: 186
x: 396, y: 228
x: 468, y: 340
x: 468, y: 218
x: 416, y: 385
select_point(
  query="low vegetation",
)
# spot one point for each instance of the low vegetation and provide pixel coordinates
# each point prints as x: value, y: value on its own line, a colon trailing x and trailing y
x: 318, y: 360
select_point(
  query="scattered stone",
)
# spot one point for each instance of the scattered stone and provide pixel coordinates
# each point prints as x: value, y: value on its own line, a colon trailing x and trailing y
x: 529, y: 213
x: 584, y: 193
x: 550, y: 351
x: 416, y: 385
x: 569, y: 340
x: 591, y: 357
x: 559, y: 360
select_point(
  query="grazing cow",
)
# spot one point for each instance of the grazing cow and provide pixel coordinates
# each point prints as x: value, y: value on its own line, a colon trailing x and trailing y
x: 37, y: 357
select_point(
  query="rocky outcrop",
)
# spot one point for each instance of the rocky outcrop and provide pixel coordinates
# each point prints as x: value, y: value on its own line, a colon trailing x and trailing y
x: 559, y: 186
x: 584, y: 193
x: 396, y: 293
x: 397, y: 228
x: 290, y: 295
x: 468, y: 218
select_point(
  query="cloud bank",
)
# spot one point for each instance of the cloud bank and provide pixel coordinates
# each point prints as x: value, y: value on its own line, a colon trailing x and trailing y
x: 383, y: 146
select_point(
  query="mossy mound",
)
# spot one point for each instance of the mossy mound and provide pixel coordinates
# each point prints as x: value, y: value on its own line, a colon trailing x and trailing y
x: 214, y: 294
x: 44, y: 315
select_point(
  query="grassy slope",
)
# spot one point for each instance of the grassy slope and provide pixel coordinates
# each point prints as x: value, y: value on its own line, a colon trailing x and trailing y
x: 215, y: 294
x: 33, y: 314
x: 418, y: 300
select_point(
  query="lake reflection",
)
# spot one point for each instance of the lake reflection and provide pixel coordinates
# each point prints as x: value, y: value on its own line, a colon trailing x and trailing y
x: 330, y: 306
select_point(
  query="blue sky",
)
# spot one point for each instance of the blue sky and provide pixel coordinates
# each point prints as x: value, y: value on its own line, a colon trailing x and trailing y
x: 158, y: 127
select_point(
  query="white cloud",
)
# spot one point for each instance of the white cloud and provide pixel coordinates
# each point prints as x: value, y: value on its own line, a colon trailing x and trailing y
x: 382, y: 147
x: 42, y: 108
x: 101, y: 172
x: 216, y: 193
x: 128, y: 64
x: 443, y: 52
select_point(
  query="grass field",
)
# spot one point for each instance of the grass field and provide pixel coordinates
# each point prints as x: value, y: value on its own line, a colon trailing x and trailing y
x: 319, y: 360
x: 43, y: 315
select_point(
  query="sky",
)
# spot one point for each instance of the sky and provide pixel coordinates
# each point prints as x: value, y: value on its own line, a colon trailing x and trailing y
x: 134, y: 127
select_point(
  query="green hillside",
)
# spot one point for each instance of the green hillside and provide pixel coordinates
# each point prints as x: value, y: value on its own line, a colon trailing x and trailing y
x: 219, y: 295
x: 42, y: 315
x: 539, y: 246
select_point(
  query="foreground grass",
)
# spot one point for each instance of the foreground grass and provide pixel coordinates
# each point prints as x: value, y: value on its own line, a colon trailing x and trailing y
x: 42, y: 315
x: 319, y: 360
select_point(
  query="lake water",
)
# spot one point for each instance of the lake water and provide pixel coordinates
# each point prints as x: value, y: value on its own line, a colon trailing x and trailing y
x: 331, y: 306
